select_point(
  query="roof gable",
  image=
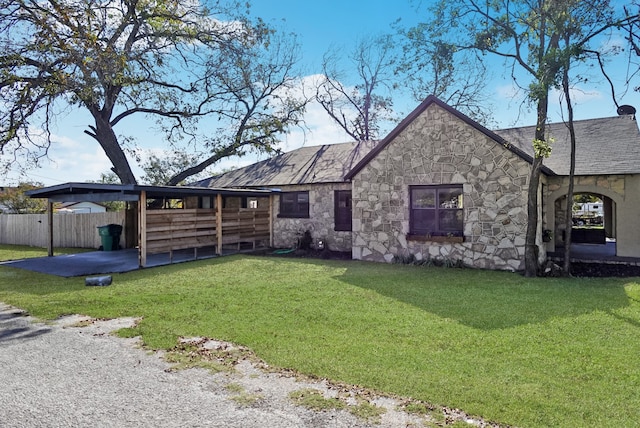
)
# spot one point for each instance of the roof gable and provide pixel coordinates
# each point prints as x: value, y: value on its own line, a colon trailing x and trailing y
x: 428, y: 102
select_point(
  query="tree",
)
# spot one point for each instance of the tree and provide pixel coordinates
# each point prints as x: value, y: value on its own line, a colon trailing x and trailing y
x: 359, y: 110
x: 527, y: 34
x: 632, y: 36
x: 259, y: 97
x: 566, y: 89
x: 14, y: 201
x: 436, y: 67
x: 159, y: 169
x: 119, y: 59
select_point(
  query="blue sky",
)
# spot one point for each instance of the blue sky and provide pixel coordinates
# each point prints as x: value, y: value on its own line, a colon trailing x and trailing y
x: 319, y: 25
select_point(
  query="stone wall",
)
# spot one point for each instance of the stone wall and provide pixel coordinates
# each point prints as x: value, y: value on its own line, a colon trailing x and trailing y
x: 439, y: 148
x: 321, y: 221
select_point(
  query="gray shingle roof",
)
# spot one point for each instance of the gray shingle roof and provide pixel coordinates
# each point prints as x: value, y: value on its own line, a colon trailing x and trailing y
x: 603, y: 146
x: 312, y: 164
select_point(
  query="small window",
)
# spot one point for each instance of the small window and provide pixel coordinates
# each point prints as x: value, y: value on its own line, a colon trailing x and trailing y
x: 436, y: 211
x: 246, y: 202
x: 342, y: 201
x: 294, y: 204
x: 205, y: 202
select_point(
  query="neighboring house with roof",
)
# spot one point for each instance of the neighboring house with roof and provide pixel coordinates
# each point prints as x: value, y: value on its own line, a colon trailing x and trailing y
x: 4, y: 208
x: 442, y: 186
x: 84, y: 207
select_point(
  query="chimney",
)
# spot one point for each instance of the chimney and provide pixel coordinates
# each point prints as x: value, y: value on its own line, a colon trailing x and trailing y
x: 626, y: 109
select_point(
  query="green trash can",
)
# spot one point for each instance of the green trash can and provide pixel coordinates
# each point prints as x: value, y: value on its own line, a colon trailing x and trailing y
x: 110, y: 236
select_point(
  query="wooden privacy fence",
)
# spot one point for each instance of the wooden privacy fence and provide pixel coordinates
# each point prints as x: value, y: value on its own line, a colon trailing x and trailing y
x: 170, y: 230
x: 71, y: 230
x: 245, y: 226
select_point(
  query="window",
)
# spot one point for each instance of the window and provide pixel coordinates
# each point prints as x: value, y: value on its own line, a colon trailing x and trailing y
x: 342, y: 202
x: 249, y: 203
x: 436, y: 211
x: 294, y: 204
x: 205, y: 202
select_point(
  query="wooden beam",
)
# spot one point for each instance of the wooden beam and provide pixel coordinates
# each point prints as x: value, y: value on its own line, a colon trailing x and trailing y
x: 219, y: 223
x: 94, y: 197
x: 142, y: 229
x: 271, y: 221
x: 50, y: 228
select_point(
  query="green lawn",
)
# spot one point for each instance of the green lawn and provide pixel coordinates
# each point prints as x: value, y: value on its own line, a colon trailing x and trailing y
x: 16, y: 252
x: 519, y: 351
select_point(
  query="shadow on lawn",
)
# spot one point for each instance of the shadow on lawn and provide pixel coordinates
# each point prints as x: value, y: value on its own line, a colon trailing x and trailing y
x: 493, y: 300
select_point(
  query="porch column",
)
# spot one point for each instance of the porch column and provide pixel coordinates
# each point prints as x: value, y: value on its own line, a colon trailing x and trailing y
x: 271, y: 221
x: 609, y: 218
x: 219, y: 223
x: 142, y: 229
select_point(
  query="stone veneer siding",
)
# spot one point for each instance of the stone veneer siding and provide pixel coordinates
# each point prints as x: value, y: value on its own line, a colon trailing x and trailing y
x: 321, y: 221
x: 438, y: 148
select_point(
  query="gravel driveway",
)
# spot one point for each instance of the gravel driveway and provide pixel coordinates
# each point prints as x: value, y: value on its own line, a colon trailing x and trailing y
x: 64, y: 375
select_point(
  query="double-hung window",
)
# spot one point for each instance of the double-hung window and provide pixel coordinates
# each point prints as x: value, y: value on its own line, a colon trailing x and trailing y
x: 436, y: 210
x: 294, y: 204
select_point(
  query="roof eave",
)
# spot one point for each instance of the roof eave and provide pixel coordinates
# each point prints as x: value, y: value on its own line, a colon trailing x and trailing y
x: 431, y: 99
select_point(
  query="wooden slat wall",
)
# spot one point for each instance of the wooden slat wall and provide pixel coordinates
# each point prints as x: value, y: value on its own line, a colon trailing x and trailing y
x: 245, y: 225
x: 169, y: 230
x: 70, y: 230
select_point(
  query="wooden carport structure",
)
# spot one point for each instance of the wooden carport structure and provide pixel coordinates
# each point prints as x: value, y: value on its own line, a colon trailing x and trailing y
x: 203, y: 217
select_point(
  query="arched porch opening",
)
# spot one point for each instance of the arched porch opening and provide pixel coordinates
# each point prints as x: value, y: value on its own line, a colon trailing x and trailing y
x: 594, y: 227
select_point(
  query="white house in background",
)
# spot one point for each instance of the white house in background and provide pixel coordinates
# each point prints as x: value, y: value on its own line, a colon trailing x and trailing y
x: 80, y: 208
x: 590, y: 209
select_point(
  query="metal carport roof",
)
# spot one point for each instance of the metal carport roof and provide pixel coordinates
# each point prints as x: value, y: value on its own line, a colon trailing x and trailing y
x: 100, y: 192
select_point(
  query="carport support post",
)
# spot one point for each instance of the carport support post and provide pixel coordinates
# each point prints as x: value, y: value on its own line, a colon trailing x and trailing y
x: 142, y: 229
x: 50, y: 227
x: 271, y: 221
x: 219, y: 223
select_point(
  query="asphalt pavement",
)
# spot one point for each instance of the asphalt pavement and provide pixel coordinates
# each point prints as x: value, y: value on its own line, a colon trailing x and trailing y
x: 74, y: 373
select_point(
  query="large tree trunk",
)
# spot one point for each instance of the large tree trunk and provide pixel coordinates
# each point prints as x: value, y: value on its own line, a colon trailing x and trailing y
x: 531, y: 251
x: 103, y: 133
x: 566, y: 267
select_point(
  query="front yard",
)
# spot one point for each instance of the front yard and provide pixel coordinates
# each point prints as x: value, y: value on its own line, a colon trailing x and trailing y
x: 518, y: 351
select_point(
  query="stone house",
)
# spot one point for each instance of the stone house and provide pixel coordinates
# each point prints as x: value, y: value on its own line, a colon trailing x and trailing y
x: 309, y: 192
x: 443, y: 186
